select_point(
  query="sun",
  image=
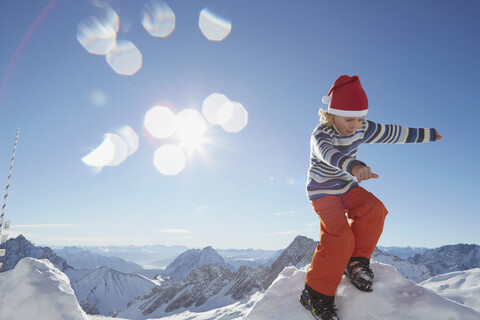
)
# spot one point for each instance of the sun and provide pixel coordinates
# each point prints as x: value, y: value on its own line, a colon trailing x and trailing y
x: 192, y: 140
x: 191, y: 128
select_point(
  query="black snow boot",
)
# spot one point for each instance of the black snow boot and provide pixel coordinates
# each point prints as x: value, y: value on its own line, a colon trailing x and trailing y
x: 360, y: 274
x: 322, y: 307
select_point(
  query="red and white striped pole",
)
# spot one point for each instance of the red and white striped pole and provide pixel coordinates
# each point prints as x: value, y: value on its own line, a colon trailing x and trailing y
x: 2, y: 224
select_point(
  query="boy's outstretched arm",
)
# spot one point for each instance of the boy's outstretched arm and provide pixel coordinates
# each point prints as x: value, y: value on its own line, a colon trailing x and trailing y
x: 363, y: 172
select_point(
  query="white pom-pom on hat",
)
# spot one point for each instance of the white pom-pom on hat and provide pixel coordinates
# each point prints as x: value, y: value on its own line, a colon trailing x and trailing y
x: 326, y: 99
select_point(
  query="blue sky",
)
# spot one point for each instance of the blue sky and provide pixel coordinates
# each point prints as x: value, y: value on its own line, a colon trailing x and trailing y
x: 417, y: 60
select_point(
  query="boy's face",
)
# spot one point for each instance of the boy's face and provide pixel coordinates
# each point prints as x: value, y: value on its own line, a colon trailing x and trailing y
x: 347, y: 125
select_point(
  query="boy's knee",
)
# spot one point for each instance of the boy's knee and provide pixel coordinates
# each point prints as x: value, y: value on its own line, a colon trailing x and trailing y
x: 340, y: 245
x: 375, y: 207
x: 347, y: 239
x: 379, y: 208
x: 338, y: 227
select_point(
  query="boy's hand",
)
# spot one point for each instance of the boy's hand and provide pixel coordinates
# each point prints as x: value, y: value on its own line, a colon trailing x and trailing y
x: 362, y: 172
x: 437, y: 135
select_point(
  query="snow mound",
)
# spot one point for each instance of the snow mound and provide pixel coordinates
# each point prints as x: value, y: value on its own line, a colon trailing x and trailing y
x: 460, y: 286
x: 393, y: 298
x: 35, y: 289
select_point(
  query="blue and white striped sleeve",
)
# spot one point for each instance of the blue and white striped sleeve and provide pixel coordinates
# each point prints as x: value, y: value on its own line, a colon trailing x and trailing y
x: 391, y: 133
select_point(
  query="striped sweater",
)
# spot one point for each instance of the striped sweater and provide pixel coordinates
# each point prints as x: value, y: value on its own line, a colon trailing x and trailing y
x: 332, y: 155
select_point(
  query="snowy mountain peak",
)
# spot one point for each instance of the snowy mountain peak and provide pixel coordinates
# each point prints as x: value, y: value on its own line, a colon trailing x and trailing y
x: 209, y: 256
x: 181, y: 267
x: 19, y: 248
x: 299, y: 253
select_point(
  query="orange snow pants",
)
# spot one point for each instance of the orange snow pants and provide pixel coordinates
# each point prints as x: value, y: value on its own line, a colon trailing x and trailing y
x: 340, y: 240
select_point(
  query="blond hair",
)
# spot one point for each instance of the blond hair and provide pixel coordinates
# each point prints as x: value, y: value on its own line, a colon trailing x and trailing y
x: 326, y: 118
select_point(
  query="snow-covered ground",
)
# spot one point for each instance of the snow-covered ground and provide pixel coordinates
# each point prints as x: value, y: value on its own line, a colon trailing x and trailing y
x: 90, y: 317
x: 235, y: 311
x: 460, y: 286
x: 393, y: 298
x: 35, y: 289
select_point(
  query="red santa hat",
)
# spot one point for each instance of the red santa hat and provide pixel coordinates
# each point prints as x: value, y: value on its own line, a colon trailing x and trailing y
x: 346, y: 98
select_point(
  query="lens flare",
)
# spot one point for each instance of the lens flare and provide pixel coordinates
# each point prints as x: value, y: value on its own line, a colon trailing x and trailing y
x: 213, y: 27
x: 160, y: 122
x: 99, y: 35
x: 211, y: 106
x: 100, y: 3
x: 111, y: 152
x: 169, y: 159
x: 158, y: 19
x: 190, y: 128
x: 130, y: 137
x: 233, y: 117
x: 120, y: 148
x: 125, y: 58
x: 98, y: 98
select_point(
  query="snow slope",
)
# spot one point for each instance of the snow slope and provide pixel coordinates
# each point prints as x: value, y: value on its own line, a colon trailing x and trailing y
x: 460, y: 286
x: 393, y: 298
x: 104, y: 290
x: 36, y: 290
x: 234, y: 311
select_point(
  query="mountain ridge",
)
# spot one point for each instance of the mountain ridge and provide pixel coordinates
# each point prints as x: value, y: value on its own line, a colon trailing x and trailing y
x: 19, y: 248
x: 80, y: 258
x: 449, y: 258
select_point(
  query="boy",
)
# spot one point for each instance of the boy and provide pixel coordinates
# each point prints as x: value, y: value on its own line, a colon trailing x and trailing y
x: 346, y: 248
